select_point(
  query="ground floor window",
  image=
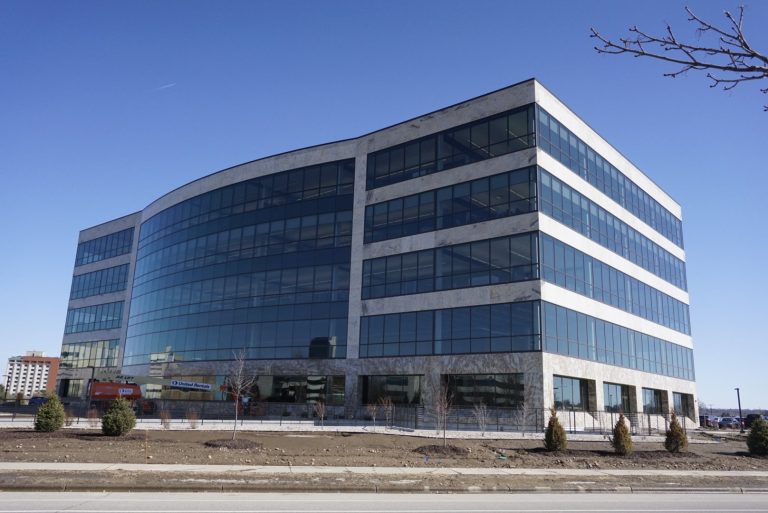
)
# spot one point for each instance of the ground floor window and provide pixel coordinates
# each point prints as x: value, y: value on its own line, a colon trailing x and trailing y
x: 279, y: 389
x: 571, y: 393
x: 617, y: 398
x: 400, y: 389
x: 683, y: 404
x: 496, y: 390
x: 654, y: 401
x: 70, y: 387
x: 299, y: 389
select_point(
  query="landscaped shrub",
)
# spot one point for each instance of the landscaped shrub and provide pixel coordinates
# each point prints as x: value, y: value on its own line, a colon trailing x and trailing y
x: 676, y: 440
x: 50, y: 416
x: 622, y: 440
x: 119, y: 418
x: 554, y: 437
x: 757, y: 440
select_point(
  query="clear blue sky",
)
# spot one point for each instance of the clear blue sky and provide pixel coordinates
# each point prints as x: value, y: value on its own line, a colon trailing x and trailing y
x: 104, y: 106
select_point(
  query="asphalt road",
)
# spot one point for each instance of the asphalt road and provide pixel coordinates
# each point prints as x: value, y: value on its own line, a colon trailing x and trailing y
x: 71, y: 502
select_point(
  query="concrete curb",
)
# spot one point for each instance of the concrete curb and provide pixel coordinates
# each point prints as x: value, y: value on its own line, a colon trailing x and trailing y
x: 380, y: 471
x: 234, y: 478
x: 211, y: 487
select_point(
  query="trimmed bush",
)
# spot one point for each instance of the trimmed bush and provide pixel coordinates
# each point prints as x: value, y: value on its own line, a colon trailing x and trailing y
x: 622, y: 440
x: 676, y: 440
x: 554, y: 437
x: 757, y: 440
x: 50, y: 416
x: 119, y: 418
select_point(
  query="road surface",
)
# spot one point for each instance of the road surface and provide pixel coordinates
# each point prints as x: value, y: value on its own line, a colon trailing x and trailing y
x: 75, y: 502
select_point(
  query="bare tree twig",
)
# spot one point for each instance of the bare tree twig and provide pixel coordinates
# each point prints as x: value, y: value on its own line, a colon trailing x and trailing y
x: 239, y: 382
x: 480, y: 412
x: 320, y: 411
x: 728, y: 61
x: 443, y: 407
x: 373, y: 410
x: 388, y: 408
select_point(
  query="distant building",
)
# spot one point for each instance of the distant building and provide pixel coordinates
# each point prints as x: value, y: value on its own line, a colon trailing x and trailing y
x: 499, y: 248
x: 30, y: 374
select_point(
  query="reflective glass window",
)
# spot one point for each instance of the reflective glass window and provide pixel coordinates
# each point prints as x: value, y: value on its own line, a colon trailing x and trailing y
x: 112, y: 279
x: 571, y: 393
x: 502, y: 195
x: 108, y: 246
x: 479, y: 140
x: 262, y: 265
x: 578, y: 335
x: 567, y: 267
x: 492, y: 390
x: 506, y: 327
x: 564, y: 146
x: 559, y: 201
x: 484, y: 262
x: 93, y: 318
x: 400, y: 389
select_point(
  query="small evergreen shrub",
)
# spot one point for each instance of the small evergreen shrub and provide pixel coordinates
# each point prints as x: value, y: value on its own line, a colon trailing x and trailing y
x: 119, y: 418
x: 622, y: 440
x: 554, y: 437
x: 676, y: 440
x: 50, y: 416
x: 757, y: 440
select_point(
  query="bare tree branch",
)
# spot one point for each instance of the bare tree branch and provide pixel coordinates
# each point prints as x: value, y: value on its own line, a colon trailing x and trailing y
x: 239, y: 382
x: 728, y: 60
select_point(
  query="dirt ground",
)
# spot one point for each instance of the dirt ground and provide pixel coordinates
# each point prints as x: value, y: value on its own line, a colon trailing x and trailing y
x: 355, y: 449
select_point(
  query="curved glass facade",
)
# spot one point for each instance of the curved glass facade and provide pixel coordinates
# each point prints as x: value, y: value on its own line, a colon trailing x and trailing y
x: 261, y: 265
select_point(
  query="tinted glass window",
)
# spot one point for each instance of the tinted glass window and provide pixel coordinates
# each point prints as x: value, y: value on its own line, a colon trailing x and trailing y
x: 563, y: 145
x: 483, y: 139
x: 612, y: 344
x: 260, y: 266
x: 506, y: 327
x: 108, y: 246
x: 455, y: 205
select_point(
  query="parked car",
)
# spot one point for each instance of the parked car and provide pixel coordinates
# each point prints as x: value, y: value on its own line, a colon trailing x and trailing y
x: 749, y: 419
x: 37, y: 401
x: 729, y: 422
x: 708, y: 421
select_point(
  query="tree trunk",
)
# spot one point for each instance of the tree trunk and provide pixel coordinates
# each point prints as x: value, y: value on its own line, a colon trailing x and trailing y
x: 234, y: 428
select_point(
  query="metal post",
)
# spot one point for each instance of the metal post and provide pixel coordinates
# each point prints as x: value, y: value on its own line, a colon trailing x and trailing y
x: 90, y: 387
x: 610, y: 396
x: 573, y: 423
x: 741, y: 419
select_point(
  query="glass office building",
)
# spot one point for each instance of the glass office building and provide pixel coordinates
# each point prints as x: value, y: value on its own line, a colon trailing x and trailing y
x: 498, y: 248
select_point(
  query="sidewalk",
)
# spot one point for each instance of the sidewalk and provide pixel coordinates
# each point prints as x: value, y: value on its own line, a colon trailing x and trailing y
x: 384, y: 471
x: 160, y: 477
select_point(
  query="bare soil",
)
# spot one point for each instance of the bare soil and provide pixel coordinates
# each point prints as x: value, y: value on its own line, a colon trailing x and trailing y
x: 356, y: 449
